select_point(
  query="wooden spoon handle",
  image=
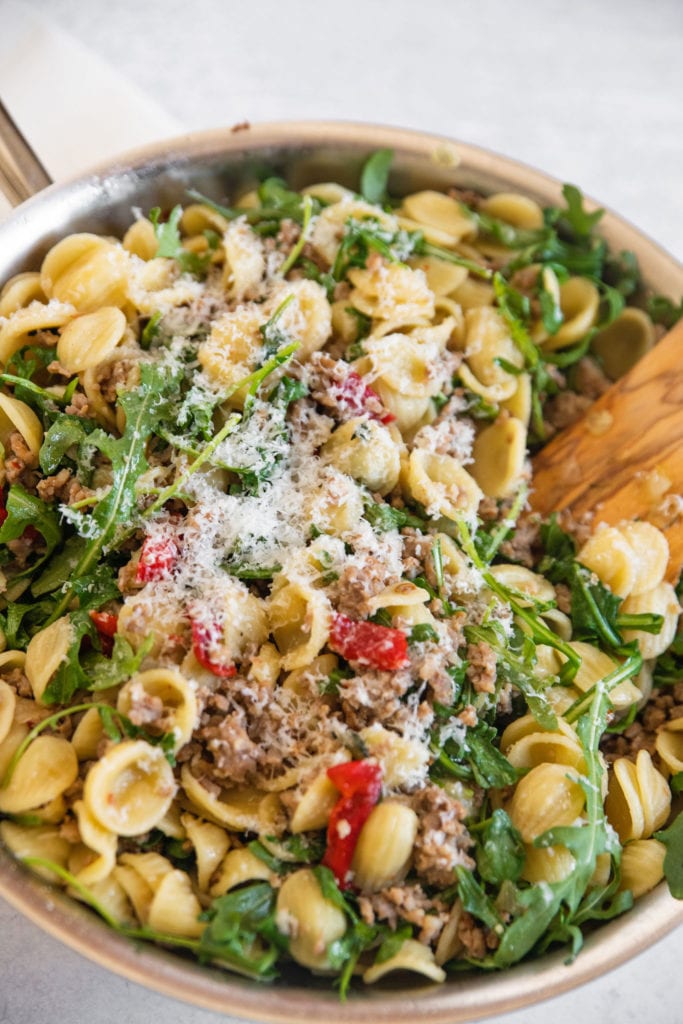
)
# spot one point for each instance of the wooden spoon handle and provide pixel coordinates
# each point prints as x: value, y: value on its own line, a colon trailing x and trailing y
x: 623, y: 457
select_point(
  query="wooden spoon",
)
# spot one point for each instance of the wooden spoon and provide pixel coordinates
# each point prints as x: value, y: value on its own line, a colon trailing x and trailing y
x: 624, y: 458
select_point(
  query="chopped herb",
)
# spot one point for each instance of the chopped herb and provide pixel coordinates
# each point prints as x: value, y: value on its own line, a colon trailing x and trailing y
x: 375, y: 176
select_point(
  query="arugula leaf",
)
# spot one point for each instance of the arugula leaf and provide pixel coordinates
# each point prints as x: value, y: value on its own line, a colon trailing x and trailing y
x: 423, y: 633
x: 664, y: 311
x: 669, y: 666
x: 536, y: 908
x: 150, y: 330
x: 476, y: 757
x: 60, y: 567
x: 273, y: 336
x: 297, y: 249
x: 70, y: 676
x: 375, y: 176
x: 170, y: 243
x: 516, y: 660
x: 241, y: 930
x: 65, y: 433
x: 384, y: 518
x: 594, y: 608
x: 323, y: 277
x: 672, y: 837
x: 475, y: 900
x: 500, y: 850
x: 579, y: 220
x: 24, y: 509
x: 286, y: 391
x: 277, y: 203
x: 116, y: 725
x: 392, y: 943
x: 92, y: 591
x: 300, y: 849
x: 278, y: 199
x: 490, y: 768
x: 44, y: 401
x: 361, y: 237
x: 144, y: 406
x: 103, y: 672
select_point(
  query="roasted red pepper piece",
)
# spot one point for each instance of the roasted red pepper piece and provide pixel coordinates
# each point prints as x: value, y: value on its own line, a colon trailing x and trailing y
x: 369, y: 643
x: 360, y: 785
x: 206, y: 638
x: 106, y: 625
x: 354, y: 398
x: 158, y: 555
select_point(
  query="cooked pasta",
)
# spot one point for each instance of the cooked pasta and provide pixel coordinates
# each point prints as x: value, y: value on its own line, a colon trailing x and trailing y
x: 281, y: 644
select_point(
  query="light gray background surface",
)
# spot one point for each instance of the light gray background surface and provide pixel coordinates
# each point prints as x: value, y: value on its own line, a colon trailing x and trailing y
x: 591, y: 92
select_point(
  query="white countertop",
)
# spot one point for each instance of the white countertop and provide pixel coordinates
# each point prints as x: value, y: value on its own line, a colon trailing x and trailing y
x: 589, y: 90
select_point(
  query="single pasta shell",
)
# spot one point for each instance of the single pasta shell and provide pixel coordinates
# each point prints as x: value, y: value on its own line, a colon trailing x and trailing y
x: 385, y: 846
x: 175, y: 693
x: 46, y: 652
x: 547, y: 863
x: 515, y: 209
x: 624, y: 342
x: 237, y: 867
x: 654, y: 792
x: 90, y: 339
x: 651, y: 549
x: 47, y: 767
x: 437, y: 210
x: 8, y: 702
x: 42, y: 841
x: 662, y: 600
x: 412, y: 956
x: 642, y: 866
x: 20, y: 291
x: 311, y: 921
x: 610, y: 556
x: 175, y: 909
x: 130, y: 789
x: 16, y: 415
x: 499, y: 452
x: 669, y: 745
x: 549, y: 796
x: 623, y: 805
x: 211, y: 843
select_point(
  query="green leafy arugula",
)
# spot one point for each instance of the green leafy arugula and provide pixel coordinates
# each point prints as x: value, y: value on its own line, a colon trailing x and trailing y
x: 64, y: 443
x: 672, y: 837
x: 24, y: 509
x: 375, y: 176
x: 500, y: 851
x: 241, y: 931
x: 144, y: 406
x: 594, y: 608
x: 515, y: 664
x: 170, y: 243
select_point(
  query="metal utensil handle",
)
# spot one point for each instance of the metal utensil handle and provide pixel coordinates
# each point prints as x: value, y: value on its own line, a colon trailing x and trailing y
x: 21, y: 172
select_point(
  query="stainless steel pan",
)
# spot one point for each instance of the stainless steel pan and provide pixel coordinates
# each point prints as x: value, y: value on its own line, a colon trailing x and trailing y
x: 218, y: 163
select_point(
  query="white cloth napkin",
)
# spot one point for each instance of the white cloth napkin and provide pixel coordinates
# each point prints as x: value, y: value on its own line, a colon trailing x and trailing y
x: 74, y: 109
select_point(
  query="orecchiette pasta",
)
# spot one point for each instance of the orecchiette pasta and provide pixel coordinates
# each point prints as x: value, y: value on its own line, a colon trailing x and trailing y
x: 287, y: 671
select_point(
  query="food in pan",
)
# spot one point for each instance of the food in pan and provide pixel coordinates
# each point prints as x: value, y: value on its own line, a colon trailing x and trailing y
x: 290, y: 672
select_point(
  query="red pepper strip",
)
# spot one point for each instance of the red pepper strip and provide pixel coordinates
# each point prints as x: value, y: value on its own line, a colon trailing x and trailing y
x: 354, y: 397
x: 204, y: 639
x: 3, y: 511
x: 158, y: 555
x: 360, y: 785
x: 106, y: 625
x: 368, y: 643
